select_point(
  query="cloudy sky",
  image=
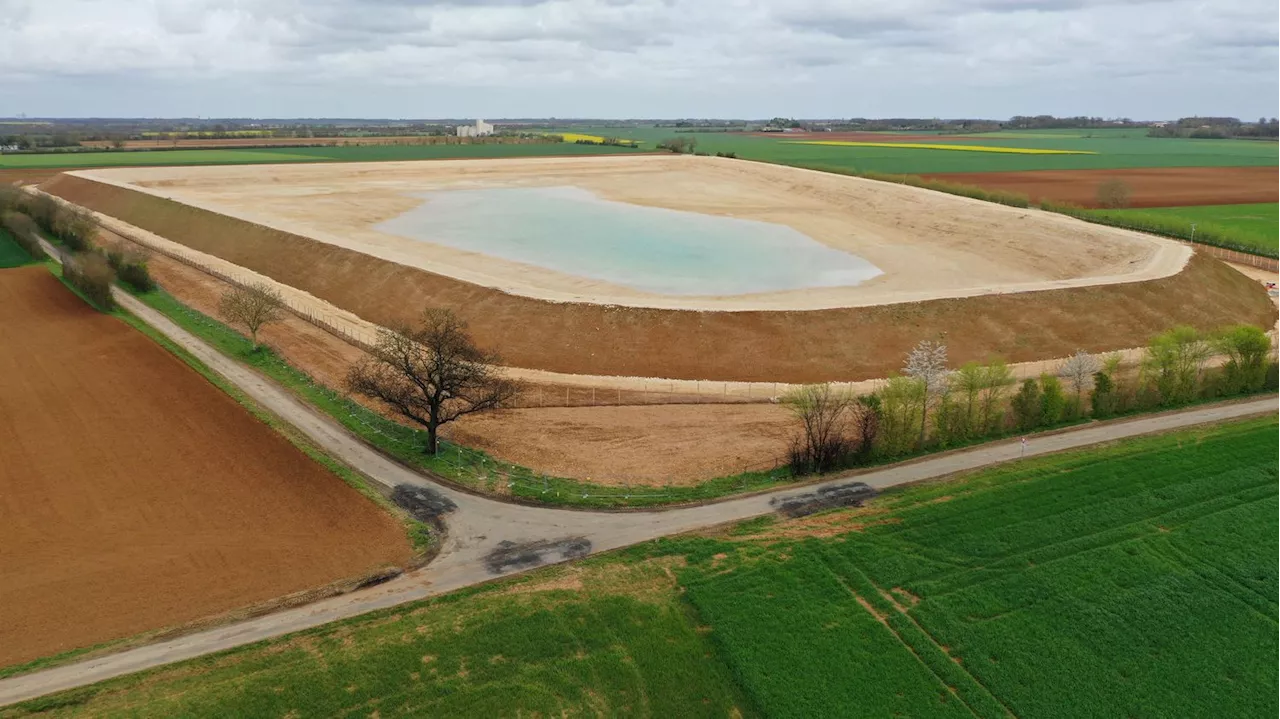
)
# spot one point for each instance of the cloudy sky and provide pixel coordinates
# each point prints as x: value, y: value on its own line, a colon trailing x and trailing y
x: 638, y: 58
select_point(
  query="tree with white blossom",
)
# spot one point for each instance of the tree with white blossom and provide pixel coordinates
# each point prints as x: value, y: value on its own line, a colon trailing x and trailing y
x: 927, y: 364
x: 1078, y: 371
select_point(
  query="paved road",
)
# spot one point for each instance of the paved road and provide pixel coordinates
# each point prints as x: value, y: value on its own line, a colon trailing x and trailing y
x: 478, y: 528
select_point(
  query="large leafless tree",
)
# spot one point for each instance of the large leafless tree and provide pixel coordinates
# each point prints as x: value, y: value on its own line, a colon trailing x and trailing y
x: 252, y: 307
x: 432, y: 374
x: 824, y: 414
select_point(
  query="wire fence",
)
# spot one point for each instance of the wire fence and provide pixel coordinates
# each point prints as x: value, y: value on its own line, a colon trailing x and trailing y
x: 1270, y: 264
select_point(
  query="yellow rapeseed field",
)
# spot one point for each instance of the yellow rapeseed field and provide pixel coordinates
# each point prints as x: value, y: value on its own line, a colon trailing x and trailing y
x: 966, y: 148
x: 575, y: 137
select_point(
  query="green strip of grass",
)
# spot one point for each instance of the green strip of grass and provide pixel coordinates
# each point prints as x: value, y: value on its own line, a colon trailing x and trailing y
x: 12, y: 254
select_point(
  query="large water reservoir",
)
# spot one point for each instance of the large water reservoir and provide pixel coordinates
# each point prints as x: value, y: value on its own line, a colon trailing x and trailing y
x: 651, y: 249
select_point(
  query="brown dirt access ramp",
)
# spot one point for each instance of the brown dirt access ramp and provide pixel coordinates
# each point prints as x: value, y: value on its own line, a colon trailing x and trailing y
x: 135, y: 496
x: 1148, y: 186
x: 796, y: 346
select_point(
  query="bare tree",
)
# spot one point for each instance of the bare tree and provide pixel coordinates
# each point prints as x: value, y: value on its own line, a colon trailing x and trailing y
x: 927, y: 364
x: 824, y: 415
x: 252, y: 307
x: 1078, y: 371
x: 432, y: 374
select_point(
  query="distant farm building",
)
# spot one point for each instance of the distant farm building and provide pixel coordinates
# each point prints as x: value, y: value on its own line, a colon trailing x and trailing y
x: 480, y: 129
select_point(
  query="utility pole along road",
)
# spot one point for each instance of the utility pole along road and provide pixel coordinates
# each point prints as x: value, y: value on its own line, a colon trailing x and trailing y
x: 488, y: 538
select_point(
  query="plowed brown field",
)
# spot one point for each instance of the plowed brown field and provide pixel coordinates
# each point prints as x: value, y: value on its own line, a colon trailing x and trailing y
x: 1149, y: 187
x: 135, y: 496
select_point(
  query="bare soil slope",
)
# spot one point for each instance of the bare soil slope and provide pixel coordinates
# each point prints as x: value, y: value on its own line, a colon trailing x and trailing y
x: 134, y: 495
x: 1149, y: 187
x: 643, y: 445
x: 769, y: 346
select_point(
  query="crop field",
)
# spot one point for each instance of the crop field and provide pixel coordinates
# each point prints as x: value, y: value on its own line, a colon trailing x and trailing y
x: 137, y: 496
x: 1255, y: 224
x: 938, y: 146
x: 1099, y: 149
x: 247, y: 156
x: 1137, y: 579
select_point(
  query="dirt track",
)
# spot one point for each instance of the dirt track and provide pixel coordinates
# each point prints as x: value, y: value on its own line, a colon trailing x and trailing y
x: 1149, y: 187
x: 135, y: 496
x: 794, y: 346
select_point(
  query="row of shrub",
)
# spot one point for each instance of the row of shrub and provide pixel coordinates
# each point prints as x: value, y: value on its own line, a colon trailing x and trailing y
x: 930, y: 407
x: 91, y: 269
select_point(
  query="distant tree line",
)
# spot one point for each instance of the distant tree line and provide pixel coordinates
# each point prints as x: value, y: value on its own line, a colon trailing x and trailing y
x: 929, y: 406
x: 1218, y: 128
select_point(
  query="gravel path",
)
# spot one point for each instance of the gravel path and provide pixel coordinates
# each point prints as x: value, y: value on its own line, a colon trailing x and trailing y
x: 489, y: 538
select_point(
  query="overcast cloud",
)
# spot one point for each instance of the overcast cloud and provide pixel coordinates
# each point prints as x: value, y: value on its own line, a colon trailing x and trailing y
x: 638, y: 58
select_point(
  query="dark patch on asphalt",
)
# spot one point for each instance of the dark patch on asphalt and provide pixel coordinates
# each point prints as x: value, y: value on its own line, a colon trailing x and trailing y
x: 426, y: 505
x: 852, y: 494
x: 510, y: 556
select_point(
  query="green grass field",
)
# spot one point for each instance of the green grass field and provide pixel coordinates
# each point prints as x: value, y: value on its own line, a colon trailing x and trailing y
x: 1115, y: 149
x: 366, y: 153
x: 1137, y: 579
x: 1256, y: 225
x: 11, y: 255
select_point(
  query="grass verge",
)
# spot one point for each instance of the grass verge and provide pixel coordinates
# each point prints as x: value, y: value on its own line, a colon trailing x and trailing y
x: 11, y: 254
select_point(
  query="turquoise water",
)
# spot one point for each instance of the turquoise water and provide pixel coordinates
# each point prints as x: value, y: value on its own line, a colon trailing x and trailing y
x: 571, y: 230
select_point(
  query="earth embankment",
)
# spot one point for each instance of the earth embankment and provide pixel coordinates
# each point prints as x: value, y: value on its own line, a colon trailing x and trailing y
x: 770, y: 346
